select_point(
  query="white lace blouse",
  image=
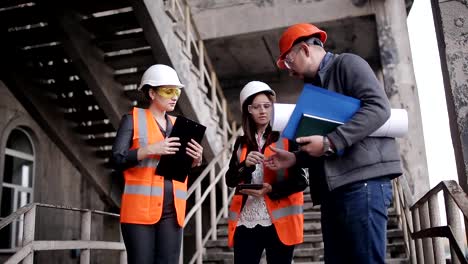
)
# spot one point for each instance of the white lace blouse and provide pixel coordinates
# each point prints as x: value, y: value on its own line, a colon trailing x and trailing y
x: 255, y: 211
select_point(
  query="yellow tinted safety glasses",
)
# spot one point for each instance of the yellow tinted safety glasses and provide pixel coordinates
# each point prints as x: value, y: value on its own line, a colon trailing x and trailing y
x: 168, y: 92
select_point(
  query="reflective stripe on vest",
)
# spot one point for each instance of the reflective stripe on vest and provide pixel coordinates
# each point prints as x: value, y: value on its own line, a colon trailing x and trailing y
x: 280, y: 173
x: 287, y: 211
x: 143, y: 190
x: 142, y: 128
x: 233, y: 215
x: 181, y: 194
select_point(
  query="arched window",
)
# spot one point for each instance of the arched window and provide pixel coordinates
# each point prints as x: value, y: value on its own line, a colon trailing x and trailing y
x: 17, y: 185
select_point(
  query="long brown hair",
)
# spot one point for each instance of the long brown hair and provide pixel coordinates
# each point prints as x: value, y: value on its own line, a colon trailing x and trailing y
x: 250, y: 127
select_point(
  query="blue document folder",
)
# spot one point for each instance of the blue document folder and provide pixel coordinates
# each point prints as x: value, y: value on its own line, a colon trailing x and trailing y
x: 323, y: 103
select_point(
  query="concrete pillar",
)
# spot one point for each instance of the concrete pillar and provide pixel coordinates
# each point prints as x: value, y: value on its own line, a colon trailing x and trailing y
x: 451, y: 24
x: 400, y: 86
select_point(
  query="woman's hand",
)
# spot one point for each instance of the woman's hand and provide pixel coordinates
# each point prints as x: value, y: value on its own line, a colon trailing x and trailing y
x: 253, y: 158
x: 168, y: 146
x: 195, y: 151
x: 258, y: 193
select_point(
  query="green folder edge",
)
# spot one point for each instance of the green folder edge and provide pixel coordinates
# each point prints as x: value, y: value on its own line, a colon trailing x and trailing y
x: 310, y: 125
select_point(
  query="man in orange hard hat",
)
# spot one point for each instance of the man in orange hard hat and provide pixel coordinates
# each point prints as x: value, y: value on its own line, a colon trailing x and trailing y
x: 350, y: 173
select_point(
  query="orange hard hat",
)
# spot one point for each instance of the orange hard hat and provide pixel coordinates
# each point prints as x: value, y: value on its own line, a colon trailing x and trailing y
x: 293, y: 33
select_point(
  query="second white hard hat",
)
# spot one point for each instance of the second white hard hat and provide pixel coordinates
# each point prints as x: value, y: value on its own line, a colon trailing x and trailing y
x: 158, y: 75
x: 254, y: 87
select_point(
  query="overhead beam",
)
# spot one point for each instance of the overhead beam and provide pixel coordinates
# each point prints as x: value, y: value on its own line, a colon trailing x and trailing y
x: 91, y: 67
x: 56, y: 127
x: 220, y: 18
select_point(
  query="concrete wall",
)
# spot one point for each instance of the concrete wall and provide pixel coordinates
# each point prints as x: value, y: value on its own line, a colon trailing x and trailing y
x: 57, y: 182
x: 451, y: 21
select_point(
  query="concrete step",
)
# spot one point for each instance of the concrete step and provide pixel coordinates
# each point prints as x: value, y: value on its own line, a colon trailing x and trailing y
x: 303, y: 256
x: 387, y: 261
x: 394, y: 237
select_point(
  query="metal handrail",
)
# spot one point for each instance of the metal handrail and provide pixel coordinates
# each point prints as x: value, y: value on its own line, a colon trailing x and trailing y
x: 26, y: 253
x: 195, y: 189
x: 423, y: 223
x: 212, y: 163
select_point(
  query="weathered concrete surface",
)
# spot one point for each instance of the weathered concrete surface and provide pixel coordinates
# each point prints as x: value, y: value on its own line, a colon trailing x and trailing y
x: 400, y: 86
x: 56, y: 181
x: 451, y: 21
x: 221, y: 18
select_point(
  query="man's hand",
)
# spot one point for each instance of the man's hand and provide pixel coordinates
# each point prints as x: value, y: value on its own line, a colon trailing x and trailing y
x: 313, y: 145
x: 253, y: 158
x: 258, y: 193
x: 282, y: 159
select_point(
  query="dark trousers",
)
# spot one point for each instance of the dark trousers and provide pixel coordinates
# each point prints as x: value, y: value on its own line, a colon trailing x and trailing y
x: 249, y: 244
x: 158, y: 243
x: 354, y: 222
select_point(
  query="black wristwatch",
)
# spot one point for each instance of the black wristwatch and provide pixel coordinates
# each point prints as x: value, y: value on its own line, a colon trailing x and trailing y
x: 327, y: 149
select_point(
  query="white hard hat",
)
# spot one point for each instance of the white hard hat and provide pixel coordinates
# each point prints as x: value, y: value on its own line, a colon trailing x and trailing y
x: 158, y: 75
x: 254, y: 87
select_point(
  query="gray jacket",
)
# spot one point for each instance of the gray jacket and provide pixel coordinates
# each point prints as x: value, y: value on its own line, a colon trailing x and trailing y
x: 361, y: 157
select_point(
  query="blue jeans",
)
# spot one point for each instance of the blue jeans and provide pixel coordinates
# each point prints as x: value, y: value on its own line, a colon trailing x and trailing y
x: 354, y: 222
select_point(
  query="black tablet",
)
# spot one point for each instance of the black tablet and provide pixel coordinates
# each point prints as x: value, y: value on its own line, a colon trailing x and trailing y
x: 252, y: 186
x: 178, y: 166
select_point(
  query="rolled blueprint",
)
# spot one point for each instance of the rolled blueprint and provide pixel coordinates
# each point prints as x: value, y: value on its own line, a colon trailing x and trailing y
x: 396, y: 126
x: 281, y: 114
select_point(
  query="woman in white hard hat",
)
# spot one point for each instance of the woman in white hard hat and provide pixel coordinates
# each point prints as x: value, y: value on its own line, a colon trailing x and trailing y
x: 153, y: 208
x: 268, y: 216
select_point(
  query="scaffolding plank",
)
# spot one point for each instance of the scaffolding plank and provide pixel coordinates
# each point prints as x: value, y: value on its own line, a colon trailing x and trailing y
x: 84, y: 115
x: 94, y: 129
x: 140, y: 59
x: 20, y: 17
x: 34, y: 36
x: 121, y: 42
x: 108, y: 25
x: 88, y: 7
x: 102, y: 141
x: 129, y: 78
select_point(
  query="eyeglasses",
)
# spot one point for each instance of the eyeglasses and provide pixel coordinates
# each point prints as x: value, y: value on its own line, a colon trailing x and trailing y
x: 289, y: 59
x: 258, y: 107
x: 168, y: 93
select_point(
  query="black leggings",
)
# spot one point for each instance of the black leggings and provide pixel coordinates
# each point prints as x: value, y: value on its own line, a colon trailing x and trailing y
x: 158, y: 243
x: 249, y: 244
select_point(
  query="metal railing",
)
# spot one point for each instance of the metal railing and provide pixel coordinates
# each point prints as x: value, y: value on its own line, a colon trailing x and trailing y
x: 85, y: 244
x: 423, y: 232
x: 215, y: 170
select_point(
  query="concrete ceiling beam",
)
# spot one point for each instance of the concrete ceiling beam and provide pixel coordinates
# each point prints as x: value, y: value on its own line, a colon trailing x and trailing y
x: 221, y: 18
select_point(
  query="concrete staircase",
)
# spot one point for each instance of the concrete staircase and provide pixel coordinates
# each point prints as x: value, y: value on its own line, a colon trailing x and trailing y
x: 311, y: 251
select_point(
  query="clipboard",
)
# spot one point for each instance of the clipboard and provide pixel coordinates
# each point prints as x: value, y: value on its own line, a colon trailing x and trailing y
x: 177, y: 166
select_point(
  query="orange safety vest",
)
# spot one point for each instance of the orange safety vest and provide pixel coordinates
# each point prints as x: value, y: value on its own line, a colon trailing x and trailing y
x: 286, y: 213
x: 142, y: 199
